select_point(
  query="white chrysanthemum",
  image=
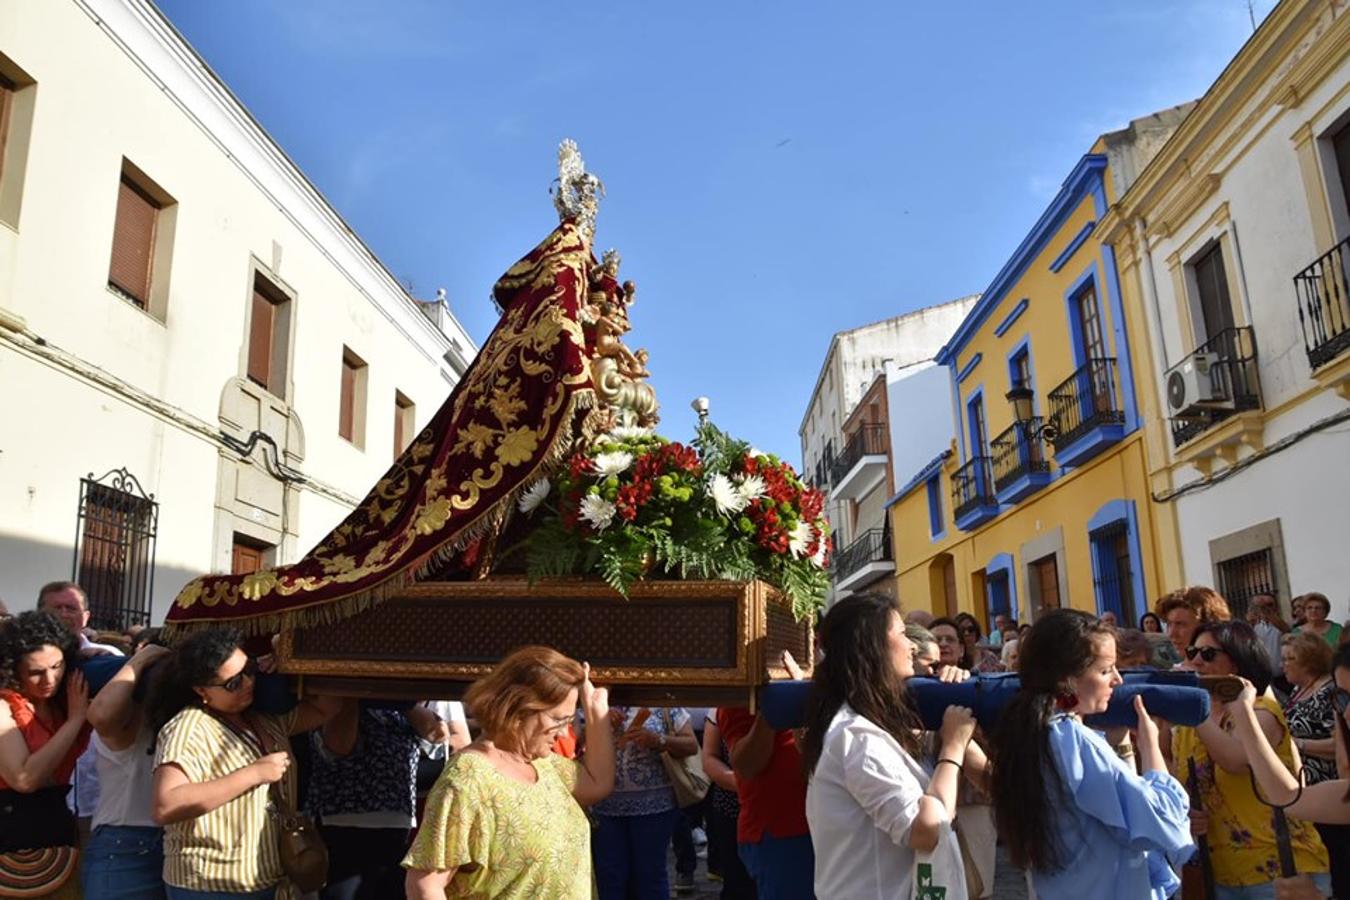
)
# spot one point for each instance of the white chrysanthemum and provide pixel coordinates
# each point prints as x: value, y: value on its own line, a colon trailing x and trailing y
x: 754, y: 452
x: 597, y: 511
x: 612, y: 463
x: 799, y: 539
x: 751, y: 487
x: 628, y: 433
x: 726, y: 496
x: 534, y: 495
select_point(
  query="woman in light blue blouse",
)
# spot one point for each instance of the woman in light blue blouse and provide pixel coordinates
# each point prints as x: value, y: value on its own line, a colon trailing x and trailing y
x: 1072, y: 811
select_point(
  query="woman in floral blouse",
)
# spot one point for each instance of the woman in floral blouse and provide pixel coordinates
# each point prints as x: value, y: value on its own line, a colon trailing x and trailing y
x: 1238, y: 825
x: 505, y: 819
x: 634, y: 824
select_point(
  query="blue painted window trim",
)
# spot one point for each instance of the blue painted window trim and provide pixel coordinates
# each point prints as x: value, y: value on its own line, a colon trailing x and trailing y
x: 969, y: 368
x: 977, y: 397
x: 1008, y: 320
x: 1112, y: 513
x: 1003, y: 563
x: 936, y: 529
x: 1067, y: 253
x: 1081, y: 284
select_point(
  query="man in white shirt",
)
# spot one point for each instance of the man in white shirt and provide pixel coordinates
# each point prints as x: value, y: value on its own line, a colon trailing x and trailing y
x: 68, y: 602
x: 1263, y: 614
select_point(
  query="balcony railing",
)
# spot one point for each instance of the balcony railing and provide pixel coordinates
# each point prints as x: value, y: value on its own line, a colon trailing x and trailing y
x: 869, y: 440
x: 1016, y: 457
x: 1237, y: 384
x: 1087, y: 399
x: 1324, y: 305
x: 972, y: 488
x: 872, y: 546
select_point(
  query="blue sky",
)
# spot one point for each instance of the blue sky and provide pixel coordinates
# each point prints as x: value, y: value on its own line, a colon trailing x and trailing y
x: 776, y: 172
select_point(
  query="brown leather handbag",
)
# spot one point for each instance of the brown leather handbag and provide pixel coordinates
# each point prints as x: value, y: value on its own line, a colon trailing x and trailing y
x: 304, y: 855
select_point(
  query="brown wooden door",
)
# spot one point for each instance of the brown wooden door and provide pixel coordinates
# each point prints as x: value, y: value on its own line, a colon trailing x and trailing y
x: 247, y: 559
x: 1047, y: 579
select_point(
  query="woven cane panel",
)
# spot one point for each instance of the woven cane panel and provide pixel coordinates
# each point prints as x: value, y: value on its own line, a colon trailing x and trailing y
x: 671, y: 634
x: 786, y: 633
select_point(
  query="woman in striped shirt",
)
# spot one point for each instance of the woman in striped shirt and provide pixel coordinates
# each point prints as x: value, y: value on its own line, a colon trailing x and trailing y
x: 215, y: 763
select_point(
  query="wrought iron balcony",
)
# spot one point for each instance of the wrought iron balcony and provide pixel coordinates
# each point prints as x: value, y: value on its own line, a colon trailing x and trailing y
x: 869, y: 440
x: 1086, y: 410
x: 1235, y: 379
x: 973, y: 499
x: 1019, y: 462
x: 1323, y: 292
x: 871, y: 547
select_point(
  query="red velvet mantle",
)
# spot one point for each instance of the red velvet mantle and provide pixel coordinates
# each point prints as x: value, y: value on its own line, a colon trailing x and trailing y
x: 514, y: 414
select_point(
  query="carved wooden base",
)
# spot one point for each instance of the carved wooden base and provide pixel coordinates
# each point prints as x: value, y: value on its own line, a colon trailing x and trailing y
x: 691, y: 643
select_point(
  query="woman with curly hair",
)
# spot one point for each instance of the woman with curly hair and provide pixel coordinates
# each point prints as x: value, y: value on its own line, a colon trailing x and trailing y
x: 43, y: 731
x: 216, y: 760
x: 1071, y: 810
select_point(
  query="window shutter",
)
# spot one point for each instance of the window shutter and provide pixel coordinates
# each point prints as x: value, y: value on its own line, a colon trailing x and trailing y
x: 247, y: 559
x: 6, y: 94
x: 346, y: 399
x: 133, y: 242
x: 398, y: 428
x: 260, y: 333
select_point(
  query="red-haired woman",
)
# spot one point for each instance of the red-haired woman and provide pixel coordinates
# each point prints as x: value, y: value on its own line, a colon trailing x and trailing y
x: 505, y: 819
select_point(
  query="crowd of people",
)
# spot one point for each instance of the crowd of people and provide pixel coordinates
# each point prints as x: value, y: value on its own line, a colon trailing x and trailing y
x: 187, y: 772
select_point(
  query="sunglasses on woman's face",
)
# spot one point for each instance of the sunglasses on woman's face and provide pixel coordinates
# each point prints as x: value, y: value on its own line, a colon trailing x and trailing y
x: 1341, y: 700
x: 969, y: 629
x: 232, y: 684
x: 1208, y: 654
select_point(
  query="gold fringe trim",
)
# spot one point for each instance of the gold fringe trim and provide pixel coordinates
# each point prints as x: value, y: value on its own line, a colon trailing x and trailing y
x: 329, y: 612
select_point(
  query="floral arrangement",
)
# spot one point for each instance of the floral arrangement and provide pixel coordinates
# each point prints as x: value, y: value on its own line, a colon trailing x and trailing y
x: 637, y: 504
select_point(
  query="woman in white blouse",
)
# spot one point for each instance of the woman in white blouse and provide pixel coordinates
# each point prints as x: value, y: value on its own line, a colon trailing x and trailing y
x: 871, y: 803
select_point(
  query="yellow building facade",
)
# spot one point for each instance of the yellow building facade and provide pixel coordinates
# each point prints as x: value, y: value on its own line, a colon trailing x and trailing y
x: 1043, y: 498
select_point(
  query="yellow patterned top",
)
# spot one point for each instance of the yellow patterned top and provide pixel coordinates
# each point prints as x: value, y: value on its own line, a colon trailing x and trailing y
x: 1241, y: 831
x: 520, y: 841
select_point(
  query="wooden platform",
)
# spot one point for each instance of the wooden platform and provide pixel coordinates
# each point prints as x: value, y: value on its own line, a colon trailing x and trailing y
x: 688, y: 643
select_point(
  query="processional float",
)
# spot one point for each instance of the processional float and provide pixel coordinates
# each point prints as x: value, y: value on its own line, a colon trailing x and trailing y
x: 539, y: 507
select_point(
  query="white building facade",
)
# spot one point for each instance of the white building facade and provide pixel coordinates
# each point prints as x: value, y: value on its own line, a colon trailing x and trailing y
x: 202, y: 368
x: 1241, y: 231
x: 872, y: 402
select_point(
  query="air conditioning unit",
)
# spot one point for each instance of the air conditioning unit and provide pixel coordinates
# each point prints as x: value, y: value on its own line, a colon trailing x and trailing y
x: 1190, y: 387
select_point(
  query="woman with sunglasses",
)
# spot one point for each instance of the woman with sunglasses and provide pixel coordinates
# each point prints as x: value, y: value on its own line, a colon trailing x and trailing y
x: 216, y: 760
x: 974, y: 656
x: 1242, y: 845
x: 506, y: 819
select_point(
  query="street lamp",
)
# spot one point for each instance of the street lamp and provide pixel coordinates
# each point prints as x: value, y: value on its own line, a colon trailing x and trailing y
x: 1020, y: 397
x: 701, y: 405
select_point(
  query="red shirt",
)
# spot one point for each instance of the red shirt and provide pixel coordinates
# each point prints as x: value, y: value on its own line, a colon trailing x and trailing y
x: 36, y: 735
x: 773, y: 802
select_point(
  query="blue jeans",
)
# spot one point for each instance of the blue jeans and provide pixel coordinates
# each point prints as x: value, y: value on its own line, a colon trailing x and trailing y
x: 177, y: 893
x: 783, y: 868
x: 123, y: 862
x: 1266, y: 891
x: 630, y: 856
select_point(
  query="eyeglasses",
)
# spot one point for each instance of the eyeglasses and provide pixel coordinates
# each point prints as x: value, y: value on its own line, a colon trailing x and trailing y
x: 559, y: 726
x: 1208, y: 654
x: 945, y: 639
x: 969, y: 629
x: 232, y: 684
x: 1341, y: 700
